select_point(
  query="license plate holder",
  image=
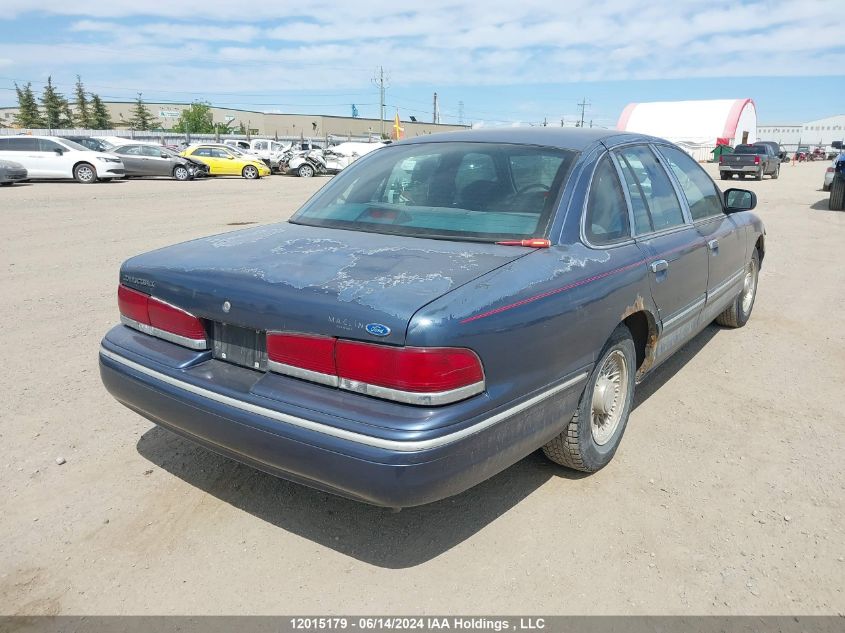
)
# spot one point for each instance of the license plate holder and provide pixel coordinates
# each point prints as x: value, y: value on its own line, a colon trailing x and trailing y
x: 240, y: 346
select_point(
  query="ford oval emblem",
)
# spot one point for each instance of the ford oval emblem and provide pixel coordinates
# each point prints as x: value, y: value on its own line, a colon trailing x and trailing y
x: 377, y: 329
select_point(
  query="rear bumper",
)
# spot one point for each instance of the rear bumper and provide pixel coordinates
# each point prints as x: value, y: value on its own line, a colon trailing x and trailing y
x: 350, y: 456
x: 740, y: 169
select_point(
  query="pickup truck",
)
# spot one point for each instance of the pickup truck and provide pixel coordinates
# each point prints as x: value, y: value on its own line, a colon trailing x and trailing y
x: 755, y: 160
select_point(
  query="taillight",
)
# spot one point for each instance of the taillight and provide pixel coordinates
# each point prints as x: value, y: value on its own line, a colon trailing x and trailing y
x: 756, y: 160
x: 415, y: 369
x: 158, y: 318
x: 416, y: 375
x: 721, y: 159
x: 302, y: 355
x: 830, y: 170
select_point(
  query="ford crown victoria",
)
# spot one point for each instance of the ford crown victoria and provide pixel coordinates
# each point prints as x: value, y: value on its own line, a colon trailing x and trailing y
x: 438, y: 311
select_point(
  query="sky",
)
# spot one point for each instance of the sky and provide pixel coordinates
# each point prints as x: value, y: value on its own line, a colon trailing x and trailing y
x: 496, y: 62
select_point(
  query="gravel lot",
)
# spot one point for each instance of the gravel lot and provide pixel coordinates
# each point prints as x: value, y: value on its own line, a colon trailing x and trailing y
x: 727, y: 495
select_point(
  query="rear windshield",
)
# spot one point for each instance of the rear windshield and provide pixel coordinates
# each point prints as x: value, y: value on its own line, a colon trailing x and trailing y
x: 470, y: 191
x: 749, y: 149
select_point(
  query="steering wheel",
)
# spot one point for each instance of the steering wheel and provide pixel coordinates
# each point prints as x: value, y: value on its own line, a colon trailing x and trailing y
x: 534, y: 185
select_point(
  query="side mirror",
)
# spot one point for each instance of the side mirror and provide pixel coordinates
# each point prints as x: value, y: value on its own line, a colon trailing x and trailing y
x: 739, y: 200
x: 231, y: 157
x: 163, y: 155
x: 836, y: 145
x: 59, y: 151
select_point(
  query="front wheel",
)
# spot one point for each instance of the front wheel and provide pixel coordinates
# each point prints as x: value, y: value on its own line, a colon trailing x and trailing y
x: 592, y: 436
x: 738, y: 313
x: 305, y: 171
x: 85, y: 173
x: 250, y: 173
x: 180, y: 172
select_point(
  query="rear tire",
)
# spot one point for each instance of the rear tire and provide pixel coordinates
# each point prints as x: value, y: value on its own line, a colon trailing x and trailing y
x: 726, y: 176
x: 776, y: 173
x: 6, y: 184
x: 836, y: 202
x: 759, y: 175
x: 85, y: 173
x: 250, y: 172
x: 591, y: 437
x: 180, y: 172
x: 738, y: 313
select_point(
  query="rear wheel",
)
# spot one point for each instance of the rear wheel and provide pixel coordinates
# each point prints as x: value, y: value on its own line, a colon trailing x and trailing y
x: 726, y: 176
x: 250, y: 172
x: 776, y: 173
x: 737, y: 314
x: 836, y: 202
x: 760, y: 174
x: 592, y: 436
x: 85, y: 173
x: 5, y: 184
x: 180, y: 172
x: 305, y: 171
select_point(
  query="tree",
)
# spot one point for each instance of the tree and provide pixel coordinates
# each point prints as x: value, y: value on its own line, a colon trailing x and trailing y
x: 196, y: 120
x: 142, y: 119
x: 53, y: 103
x: 99, y: 114
x: 66, y: 117
x: 83, y: 113
x: 28, y: 115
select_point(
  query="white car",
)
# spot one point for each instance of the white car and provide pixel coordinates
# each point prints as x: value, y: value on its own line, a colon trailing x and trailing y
x: 55, y: 157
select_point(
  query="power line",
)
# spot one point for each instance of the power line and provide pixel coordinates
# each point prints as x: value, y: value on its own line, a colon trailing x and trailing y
x: 583, y: 105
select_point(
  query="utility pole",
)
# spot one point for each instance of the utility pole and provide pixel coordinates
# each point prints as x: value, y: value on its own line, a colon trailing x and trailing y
x: 460, y: 112
x: 436, y: 117
x: 583, y: 105
x: 381, y: 82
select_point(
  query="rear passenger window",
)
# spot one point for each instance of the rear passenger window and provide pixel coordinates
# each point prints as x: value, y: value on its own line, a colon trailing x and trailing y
x: 702, y: 197
x: 650, y: 189
x: 21, y: 144
x: 606, y: 220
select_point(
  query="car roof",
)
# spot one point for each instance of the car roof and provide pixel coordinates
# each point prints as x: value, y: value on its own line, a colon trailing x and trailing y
x: 577, y: 139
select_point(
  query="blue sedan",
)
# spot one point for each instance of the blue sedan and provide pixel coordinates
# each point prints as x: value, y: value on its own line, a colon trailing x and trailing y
x: 438, y: 311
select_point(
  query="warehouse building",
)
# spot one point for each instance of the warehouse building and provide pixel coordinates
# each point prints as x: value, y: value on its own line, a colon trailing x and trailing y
x: 697, y: 126
x: 818, y: 133
x: 266, y: 123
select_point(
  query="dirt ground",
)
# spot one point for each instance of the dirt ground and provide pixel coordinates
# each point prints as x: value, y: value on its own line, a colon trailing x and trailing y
x: 727, y: 494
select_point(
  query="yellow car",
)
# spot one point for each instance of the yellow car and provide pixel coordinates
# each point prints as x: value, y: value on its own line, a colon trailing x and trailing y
x: 223, y: 161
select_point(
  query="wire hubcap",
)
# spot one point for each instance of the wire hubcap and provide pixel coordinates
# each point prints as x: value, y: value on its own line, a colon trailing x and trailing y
x: 609, y: 395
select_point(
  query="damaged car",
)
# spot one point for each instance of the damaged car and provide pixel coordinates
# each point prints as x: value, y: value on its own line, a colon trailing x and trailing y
x: 438, y: 311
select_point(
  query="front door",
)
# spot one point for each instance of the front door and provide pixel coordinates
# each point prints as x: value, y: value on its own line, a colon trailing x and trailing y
x: 724, y: 238
x: 675, y: 253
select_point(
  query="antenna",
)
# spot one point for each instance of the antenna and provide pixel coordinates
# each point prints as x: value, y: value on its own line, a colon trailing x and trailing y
x: 436, y: 117
x: 460, y: 112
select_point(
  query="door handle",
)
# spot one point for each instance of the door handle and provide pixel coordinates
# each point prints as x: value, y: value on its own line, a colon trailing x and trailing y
x: 713, y: 245
x: 659, y: 265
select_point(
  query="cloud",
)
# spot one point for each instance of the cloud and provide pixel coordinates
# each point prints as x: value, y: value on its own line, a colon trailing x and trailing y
x: 193, y: 44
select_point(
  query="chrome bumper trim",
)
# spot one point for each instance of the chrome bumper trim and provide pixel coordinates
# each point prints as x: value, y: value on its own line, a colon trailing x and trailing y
x: 394, y: 445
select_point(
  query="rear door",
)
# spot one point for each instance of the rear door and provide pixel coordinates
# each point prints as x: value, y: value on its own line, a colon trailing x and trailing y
x: 204, y: 154
x: 132, y: 161
x: 676, y: 253
x: 725, y: 239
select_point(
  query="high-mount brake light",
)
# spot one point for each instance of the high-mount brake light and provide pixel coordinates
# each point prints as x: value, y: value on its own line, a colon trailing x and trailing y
x: 158, y: 318
x: 531, y: 243
x: 416, y: 375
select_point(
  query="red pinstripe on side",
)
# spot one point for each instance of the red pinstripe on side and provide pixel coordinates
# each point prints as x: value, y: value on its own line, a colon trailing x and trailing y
x: 574, y: 284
